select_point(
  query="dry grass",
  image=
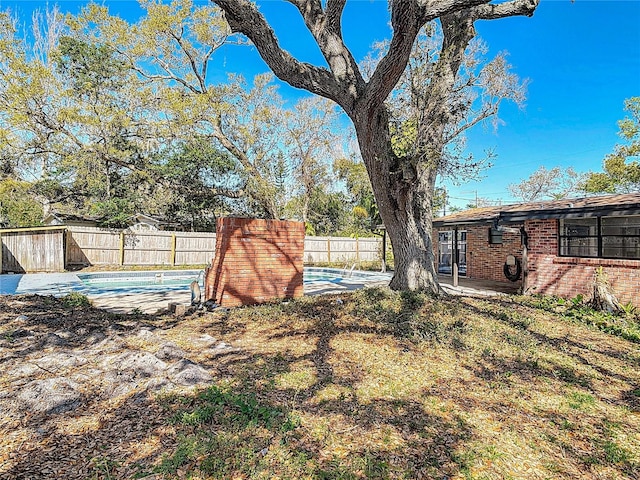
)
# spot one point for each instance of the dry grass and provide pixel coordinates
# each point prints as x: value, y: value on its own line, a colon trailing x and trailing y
x: 371, y: 384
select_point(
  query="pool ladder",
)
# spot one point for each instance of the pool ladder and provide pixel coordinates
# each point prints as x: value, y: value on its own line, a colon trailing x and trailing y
x: 350, y: 273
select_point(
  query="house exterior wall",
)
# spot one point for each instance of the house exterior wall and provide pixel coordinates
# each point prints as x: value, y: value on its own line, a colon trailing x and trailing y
x: 485, y: 261
x: 548, y: 273
x: 256, y: 261
x: 568, y: 277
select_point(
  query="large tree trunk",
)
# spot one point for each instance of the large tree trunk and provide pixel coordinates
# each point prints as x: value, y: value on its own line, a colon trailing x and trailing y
x: 404, y: 193
x: 403, y: 187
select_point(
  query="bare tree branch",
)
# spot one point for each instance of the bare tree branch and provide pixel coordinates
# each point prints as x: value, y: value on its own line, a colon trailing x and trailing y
x: 507, y: 9
x: 334, y: 15
x: 325, y: 28
x: 228, y: 192
x: 192, y: 60
x: 231, y: 147
x: 406, y: 25
x: 432, y: 9
x: 244, y: 17
x: 481, y: 116
x: 407, y: 18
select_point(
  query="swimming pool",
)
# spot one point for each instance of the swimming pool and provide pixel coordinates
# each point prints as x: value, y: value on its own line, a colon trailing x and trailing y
x: 134, y: 282
x: 98, y: 284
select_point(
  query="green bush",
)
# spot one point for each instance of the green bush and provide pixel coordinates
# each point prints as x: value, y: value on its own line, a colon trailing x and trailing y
x: 75, y: 299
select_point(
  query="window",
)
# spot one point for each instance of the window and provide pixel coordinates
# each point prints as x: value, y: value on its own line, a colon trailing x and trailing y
x: 579, y: 237
x: 495, y: 236
x: 606, y: 237
x: 461, y: 252
x: 621, y: 237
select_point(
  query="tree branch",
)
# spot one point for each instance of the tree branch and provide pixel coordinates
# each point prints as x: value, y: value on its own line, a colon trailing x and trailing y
x: 227, y: 192
x: 407, y: 18
x: 483, y: 115
x: 244, y: 17
x: 507, y: 9
x: 192, y: 60
x: 170, y: 75
x: 334, y: 15
x: 325, y: 28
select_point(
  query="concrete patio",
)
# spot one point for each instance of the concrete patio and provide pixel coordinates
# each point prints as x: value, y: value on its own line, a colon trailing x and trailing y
x: 472, y: 287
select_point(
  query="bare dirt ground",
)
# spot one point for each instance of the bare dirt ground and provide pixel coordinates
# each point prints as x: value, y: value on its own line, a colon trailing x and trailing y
x: 77, y: 385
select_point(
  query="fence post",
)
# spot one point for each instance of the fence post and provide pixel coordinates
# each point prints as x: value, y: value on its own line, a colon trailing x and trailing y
x: 173, y: 249
x: 67, y: 246
x: 122, y: 247
x: 328, y: 249
x: 357, y: 252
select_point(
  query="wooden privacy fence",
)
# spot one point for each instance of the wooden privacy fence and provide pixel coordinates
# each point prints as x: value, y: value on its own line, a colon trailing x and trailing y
x: 49, y: 249
x: 32, y: 249
x: 342, y: 249
x: 95, y: 246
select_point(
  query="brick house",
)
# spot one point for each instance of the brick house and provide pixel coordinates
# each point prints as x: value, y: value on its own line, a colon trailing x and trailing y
x: 551, y: 247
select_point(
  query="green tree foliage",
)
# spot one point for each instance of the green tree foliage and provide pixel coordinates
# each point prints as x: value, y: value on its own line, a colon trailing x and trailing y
x: 171, y: 48
x: 91, y: 68
x: 108, y: 118
x: 111, y: 160
x: 481, y: 85
x: 17, y: 206
x: 621, y: 168
x: 310, y: 143
x: 105, y: 102
x: 440, y: 201
x: 328, y: 213
x: 364, y: 215
x: 77, y: 120
x: 189, y: 181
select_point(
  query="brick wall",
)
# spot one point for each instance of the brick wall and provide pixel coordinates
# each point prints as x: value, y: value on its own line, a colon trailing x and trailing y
x: 548, y: 274
x: 485, y: 261
x: 256, y: 261
x: 569, y: 276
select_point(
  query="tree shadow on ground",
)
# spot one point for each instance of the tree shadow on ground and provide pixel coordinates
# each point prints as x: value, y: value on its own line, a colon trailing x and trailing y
x: 298, y: 399
x: 98, y: 423
x: 583, y: 354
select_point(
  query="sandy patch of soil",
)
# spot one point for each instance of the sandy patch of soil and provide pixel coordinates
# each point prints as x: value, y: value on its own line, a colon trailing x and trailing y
x: 79, y: 386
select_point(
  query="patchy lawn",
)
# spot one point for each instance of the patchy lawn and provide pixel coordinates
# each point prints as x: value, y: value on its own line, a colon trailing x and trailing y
x: 370, y: 384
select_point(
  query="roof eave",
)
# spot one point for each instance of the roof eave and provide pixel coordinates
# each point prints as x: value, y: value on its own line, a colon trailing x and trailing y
x: 545, y: 214
x: 613, y: 210
x: 483, y: 221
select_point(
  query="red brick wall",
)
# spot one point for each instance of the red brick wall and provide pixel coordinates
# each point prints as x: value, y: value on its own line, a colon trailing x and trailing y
x: 548, y: 274
x: 485, y: 261
x: 256, y: 261
x: 569, y: 276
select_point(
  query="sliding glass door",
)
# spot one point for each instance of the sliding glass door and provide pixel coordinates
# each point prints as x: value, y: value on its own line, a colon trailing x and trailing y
x: 452, y: 248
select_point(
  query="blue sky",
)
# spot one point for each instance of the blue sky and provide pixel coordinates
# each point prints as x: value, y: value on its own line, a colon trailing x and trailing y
x: 582, y: 60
